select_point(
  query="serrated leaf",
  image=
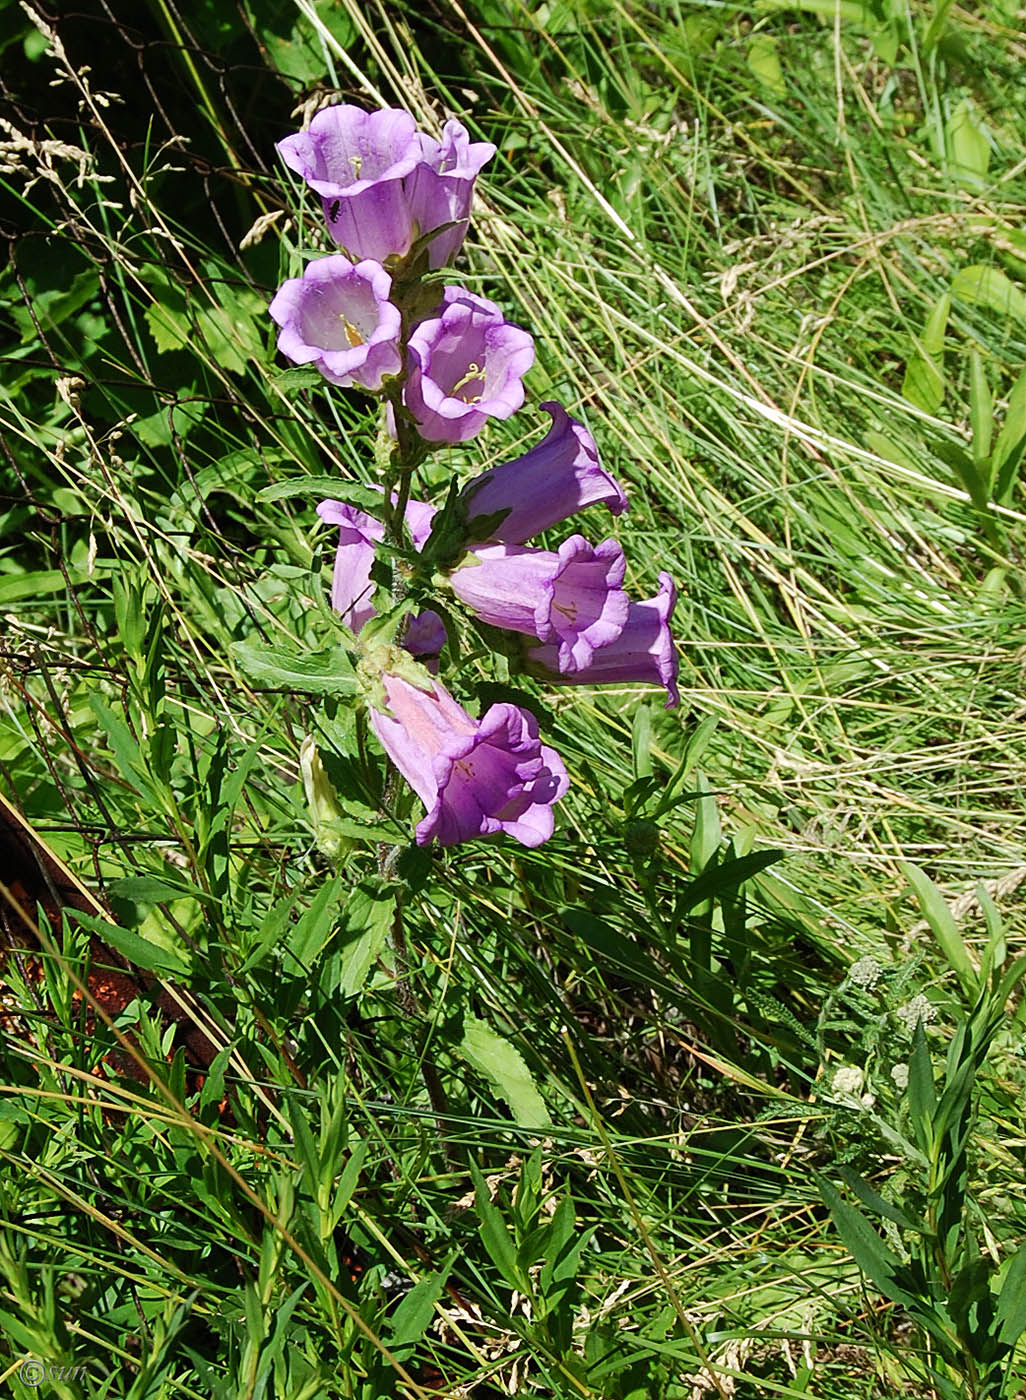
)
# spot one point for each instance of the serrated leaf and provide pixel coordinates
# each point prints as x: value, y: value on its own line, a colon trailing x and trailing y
x: 502, y: 1064
x: 314, y: 673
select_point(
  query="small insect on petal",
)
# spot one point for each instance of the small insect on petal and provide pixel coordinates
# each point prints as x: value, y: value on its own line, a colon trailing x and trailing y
x: 333, y: 211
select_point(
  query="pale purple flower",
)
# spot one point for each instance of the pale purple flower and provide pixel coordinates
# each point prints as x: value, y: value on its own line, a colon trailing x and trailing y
x: 441, y: 188
x: 383, y: 184
x: 338, y: 317
x: 644, y: 651
x: 465, y: 366
x: 547, y: 484
x: 572, y: 599
x: 358, y: 537
x: 475, y: 777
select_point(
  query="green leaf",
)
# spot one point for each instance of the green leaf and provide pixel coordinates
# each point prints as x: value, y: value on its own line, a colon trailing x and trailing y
x: 945, y: 930
x: 866, y: 1247
x: 139, y: 951
x: 316, y: 925
x: 315, y: 673
x: 369, y: 914
x: 354, y: 493
x: 714, y: 883
x: 981, y: 408
x: 504, y: 1066
x: 414, y: 1314
x: 764, y: 63
x: 989, y: 287
x: 922, y: 1092
x: 496, y: 1237
x: 1011, y: 1303
x: 966, y: 144
x: 923, y: 384
x: 1011, y: 443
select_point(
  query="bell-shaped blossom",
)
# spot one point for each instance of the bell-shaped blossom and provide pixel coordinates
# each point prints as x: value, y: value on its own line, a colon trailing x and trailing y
x: 338, y: 317
x: 572, y: 599
x: 383, y: 184
x: 441, y: 189
x: 466, y: 364
x: 475, y: 777
x: 547, y: 484
x: 351, y: 588
x: 643, y: 652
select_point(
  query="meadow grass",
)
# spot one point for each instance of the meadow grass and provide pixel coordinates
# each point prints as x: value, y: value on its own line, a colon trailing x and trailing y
x: 773, y: 256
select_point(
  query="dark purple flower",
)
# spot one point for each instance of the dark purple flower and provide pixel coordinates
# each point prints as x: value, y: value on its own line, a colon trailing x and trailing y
x: 547, y: 484
x: 383, y: 184
x: 465, y: 366
x: 475, y: 777
x: 338, y: 318
x: 351, y: 587
x: 643, y: 652
x: 572, y: 599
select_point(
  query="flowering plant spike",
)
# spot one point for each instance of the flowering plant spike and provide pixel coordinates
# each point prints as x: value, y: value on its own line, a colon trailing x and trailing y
x: 411, y: 577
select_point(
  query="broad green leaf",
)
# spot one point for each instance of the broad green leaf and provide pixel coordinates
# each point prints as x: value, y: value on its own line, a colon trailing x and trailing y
x: 354, y: 493
x: 968, y: 150
x: 313, y: 673
x: 923, y: 384
x: 1011, y: 1303
x: 495, y: 1236
x: 945, y: 930
x: 414, y: 1314
x: 369, y: 914
x: 149, y: 956
x: 986, y: 286
x: 314, y: 928
x: 504, y: 1066
x: 726, y: 877
x: 764, y: 62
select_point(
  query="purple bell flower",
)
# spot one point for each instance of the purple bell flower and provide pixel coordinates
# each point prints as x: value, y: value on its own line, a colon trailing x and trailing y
x: 475, y: 777
x: 465, y: 366
x: 338, y: 317
x: 351, y: 587
x: 643, y: 652
x: 441, y: 188
x: 383, y: 184
x: 547, y: 484
x: 572, y: 599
